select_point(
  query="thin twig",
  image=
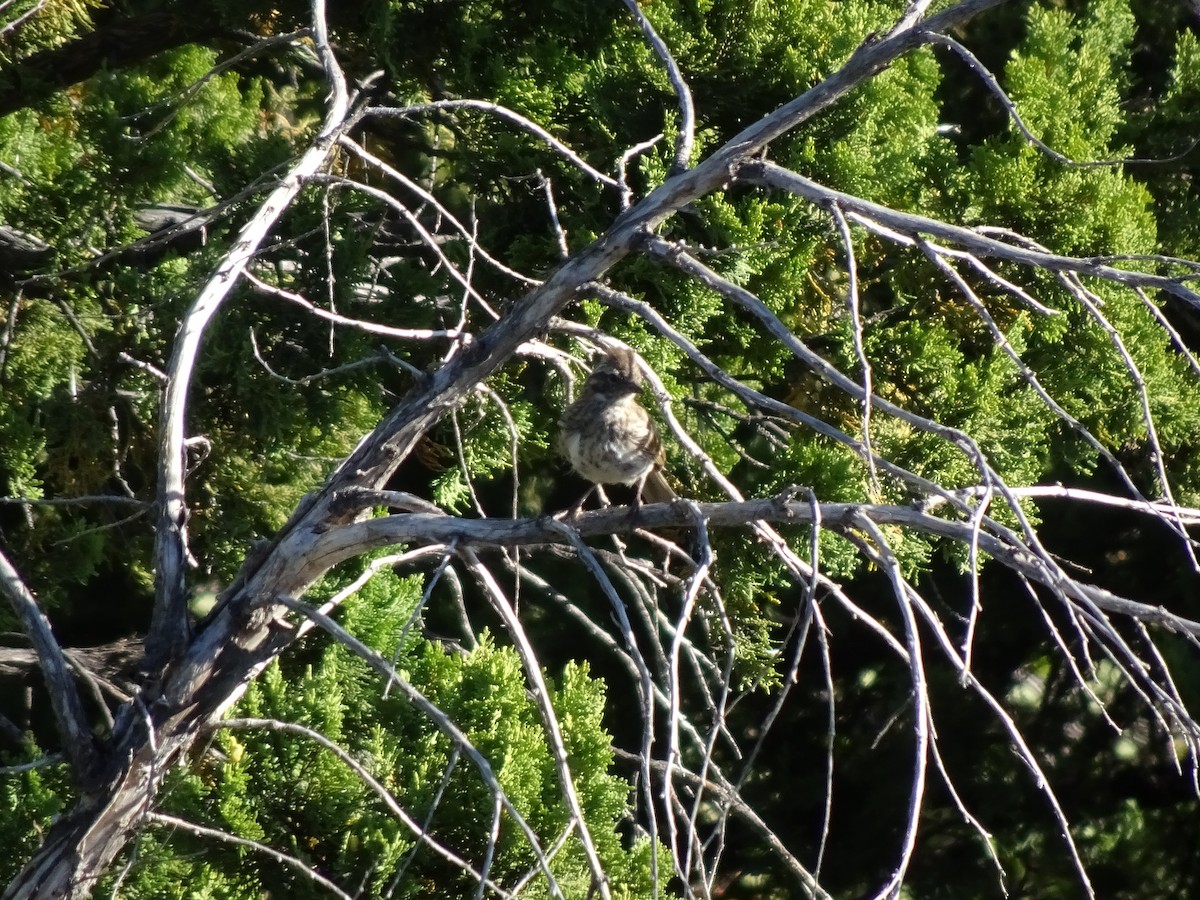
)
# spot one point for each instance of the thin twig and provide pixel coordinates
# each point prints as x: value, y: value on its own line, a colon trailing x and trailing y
x: 439, y: 718
x: 291, y: 862
x: 420, y: 832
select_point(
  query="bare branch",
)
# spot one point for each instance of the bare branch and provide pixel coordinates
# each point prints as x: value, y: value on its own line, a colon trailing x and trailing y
x: 686, y: 134
x: 745, y: 811
x: 852, y: 301
x: 912, y: 225
x: 79, y: 745
x: 920, y: 694
x: 50, y: 760
x: 496, y: 109
x: 350, y: 540
x: 623, y: 164
x: 541, y: 694
x: 645, y: 680
x: 1010, y: 107
x: 168, y: 629
x: 98, y: 500
x: 19, y: 18
x: 444, y: 213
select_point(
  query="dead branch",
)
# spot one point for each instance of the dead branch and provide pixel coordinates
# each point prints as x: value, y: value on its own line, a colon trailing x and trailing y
x: 78, y: 742
x: 168, y: 629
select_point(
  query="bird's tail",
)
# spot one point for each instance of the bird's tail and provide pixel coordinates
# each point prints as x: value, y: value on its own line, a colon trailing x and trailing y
x: 656, y: 489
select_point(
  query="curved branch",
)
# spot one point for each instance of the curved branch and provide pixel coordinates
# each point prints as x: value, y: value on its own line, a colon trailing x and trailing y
x: 79, y: 745
x: 439, y: 718
x: 168, y: 628
x: 503, y: 608
x: 686, y: 134
x: 502, y: 112
x: 420, y: 833
x: 290, y: 861
x: 730, y: 796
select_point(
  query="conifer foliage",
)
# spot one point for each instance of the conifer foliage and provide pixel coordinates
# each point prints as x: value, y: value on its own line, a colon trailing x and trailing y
x: 292, y: 296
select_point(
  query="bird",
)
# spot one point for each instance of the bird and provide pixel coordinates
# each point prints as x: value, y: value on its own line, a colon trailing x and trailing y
x: 609, y: 438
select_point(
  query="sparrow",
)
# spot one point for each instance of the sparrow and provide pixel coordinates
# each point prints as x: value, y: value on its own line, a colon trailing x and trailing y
x: 608, y: 436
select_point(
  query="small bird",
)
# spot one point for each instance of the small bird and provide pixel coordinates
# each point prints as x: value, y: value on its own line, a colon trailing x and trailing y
x: 609, y: 438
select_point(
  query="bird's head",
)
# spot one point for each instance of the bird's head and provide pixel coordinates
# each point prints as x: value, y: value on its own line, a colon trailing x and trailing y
x: 618, y: 370
x: 616, y: 374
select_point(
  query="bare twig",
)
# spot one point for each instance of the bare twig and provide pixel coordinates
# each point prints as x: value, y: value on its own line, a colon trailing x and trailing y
x: 17, y: 20
x: 852, y: 300
x: 541, y: 694
x: 439, y: 718
x: 912, y: 225
x: 989, y: 80
x: 420, y: 832
x: 291, y: 862
x: 747, y: 813
x: 502, y: 112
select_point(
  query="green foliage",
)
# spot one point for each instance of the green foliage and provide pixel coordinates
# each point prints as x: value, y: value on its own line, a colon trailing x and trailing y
x: 1163, y: 136
x: 29, y: 803
x: 286, y: 791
